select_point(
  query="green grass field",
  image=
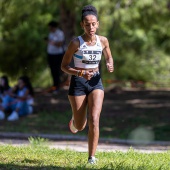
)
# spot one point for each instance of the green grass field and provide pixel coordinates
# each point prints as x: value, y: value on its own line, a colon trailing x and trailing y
x: 37, y: 157
x: 123, y: 113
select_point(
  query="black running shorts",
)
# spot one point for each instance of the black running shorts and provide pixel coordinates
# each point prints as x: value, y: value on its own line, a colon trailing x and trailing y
x: 80, y: 86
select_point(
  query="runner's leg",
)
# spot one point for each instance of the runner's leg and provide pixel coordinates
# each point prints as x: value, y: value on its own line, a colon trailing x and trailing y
x: 95, y: 101
x: 79, y: 109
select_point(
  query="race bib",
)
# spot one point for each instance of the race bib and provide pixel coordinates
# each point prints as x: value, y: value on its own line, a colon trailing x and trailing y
x: 91, y: 56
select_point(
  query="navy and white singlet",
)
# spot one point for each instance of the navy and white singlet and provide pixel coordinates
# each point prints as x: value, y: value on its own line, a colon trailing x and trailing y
x: 86, y: 57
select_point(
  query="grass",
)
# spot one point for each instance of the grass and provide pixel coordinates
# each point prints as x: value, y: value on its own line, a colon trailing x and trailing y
x: 123, y: 114
x: 42, y: 157
x: 56, y: 123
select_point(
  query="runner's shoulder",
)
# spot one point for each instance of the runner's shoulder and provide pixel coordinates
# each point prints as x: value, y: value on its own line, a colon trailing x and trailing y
x: 103, y: 39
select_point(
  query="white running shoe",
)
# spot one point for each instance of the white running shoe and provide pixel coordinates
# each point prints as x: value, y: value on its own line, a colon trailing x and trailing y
x: 2, y: 115
x: 30, y: 109
x: 92, y: 160
x: 13, y: 116
x: 71, y: 126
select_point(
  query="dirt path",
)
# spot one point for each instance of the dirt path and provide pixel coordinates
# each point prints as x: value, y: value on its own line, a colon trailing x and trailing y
x: 81, y: 146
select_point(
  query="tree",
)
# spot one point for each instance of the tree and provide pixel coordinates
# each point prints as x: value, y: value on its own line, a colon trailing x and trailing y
x: 139, y: 36
x: 22, y: 32
x: 23, y: 28
x: 138, y: 33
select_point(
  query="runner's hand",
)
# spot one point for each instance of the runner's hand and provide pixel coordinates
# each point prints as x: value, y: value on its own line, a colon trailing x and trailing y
x: 88, y: 74
x: 109, y: 67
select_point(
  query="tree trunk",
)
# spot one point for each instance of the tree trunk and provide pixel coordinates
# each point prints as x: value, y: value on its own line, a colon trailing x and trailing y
x: 67, y: 21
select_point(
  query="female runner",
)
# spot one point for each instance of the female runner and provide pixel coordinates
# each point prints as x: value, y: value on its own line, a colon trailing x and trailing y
x: 86, y: 91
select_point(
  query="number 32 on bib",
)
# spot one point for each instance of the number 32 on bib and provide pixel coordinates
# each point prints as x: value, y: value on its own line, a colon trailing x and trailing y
x: 91, y: 57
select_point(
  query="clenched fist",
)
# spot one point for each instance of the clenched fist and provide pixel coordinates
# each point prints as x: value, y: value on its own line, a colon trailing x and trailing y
x: 110, y: 67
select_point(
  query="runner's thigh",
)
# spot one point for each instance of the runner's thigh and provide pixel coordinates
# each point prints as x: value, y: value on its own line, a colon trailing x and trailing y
x: 95, y: 102
x: 79, y: 107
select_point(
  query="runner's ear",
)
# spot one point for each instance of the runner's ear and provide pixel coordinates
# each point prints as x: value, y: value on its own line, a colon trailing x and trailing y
x: 81, y: 23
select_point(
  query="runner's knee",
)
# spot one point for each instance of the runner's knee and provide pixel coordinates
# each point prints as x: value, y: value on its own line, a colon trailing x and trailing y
x: 94, y: 121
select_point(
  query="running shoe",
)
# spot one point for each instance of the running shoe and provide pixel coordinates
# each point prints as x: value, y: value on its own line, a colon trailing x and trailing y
x: 71, y: 126
x: 92, y: 160
x: 13, y: 116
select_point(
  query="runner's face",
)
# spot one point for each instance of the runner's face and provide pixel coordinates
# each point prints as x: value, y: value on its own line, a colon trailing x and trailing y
x: 90, y: 25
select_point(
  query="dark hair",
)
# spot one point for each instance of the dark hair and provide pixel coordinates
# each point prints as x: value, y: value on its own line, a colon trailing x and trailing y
x: 28, y: 84
x: 53, y: 24
x: 88, y: 10
x: 6, y: 84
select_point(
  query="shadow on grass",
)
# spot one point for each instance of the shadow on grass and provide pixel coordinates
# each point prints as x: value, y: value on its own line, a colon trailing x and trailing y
x: 17, y: 167
x: 123, y: 112
x: 51, y: 167
x: 126, y: 111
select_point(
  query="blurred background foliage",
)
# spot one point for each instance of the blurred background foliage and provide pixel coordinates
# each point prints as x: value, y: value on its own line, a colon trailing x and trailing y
x: 138, y: 32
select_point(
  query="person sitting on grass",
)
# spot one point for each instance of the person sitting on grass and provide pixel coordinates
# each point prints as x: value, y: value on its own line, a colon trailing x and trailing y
x: 4, y: 91
x: 20, y: 99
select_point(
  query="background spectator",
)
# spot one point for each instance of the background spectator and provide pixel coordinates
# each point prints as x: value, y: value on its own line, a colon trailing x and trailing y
x: 55, y: 52
x: 4, y: 91
x: 19, y: 100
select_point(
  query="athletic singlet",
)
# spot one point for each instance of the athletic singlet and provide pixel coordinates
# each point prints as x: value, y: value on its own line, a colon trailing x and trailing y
x: 88, y: 56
